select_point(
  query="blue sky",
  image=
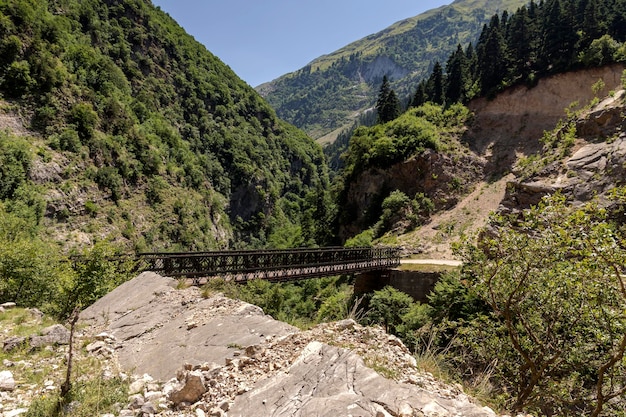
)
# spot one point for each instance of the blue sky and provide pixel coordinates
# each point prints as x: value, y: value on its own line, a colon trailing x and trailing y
x: 262, y: 40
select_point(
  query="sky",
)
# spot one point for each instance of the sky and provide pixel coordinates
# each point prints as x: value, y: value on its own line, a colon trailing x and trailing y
x: 263, y: 39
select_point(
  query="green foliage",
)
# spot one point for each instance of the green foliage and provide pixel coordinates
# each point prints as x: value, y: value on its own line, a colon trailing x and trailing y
x: 601, y: 51
x: 556, y: 321
x: 96, y: 272
x: 32, y: 273
x: 387, y: 308
x: 386, y: 144
x: 138, y: 107
x: 324, y: 96
x: 539, y: 39
x: 387, y: 105
x: 86, y: 396
x: 363, y: 239
x: 15, y: 160
x: 302, y: 303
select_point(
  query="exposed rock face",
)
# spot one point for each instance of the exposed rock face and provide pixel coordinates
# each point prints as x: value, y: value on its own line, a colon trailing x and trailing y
x: 159, y: 327
x: 593, y: 170
x: 230, y: 369
x: 441, y: 177
x: 514, y: 121
x: 326, y: 380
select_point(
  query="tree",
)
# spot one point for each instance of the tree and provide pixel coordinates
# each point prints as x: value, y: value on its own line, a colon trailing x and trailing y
x: 435, y: 85
x: 554, y: 278
x: 522, y: 42
x: 457, y: 77
x: 387, y: 105
x: 559, y: 39
x: 492, y: 61
x: 387, y: 308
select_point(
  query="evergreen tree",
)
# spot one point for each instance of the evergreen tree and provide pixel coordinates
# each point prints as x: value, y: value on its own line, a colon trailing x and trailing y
x: 456, y: 77
x: 421, y: 96
x: 387, y: 105
x: 559, y: 39
x: 434, y: 86
x: 521, y: 40
x: 492, y: 62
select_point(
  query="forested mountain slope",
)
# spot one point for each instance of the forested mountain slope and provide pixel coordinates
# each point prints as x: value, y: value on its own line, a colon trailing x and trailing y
x: 329, y: 93
x: 120, y: 125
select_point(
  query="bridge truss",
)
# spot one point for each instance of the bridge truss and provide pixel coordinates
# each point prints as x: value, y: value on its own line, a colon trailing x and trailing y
x: 272, y: 265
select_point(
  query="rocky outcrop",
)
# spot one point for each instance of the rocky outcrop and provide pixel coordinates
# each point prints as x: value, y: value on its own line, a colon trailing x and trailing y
x: 158, y: 327
x: 254, y: 365
x: 440, y: 176
x: 512, y: 123
x: 596, y: 167
x: 50, y: 336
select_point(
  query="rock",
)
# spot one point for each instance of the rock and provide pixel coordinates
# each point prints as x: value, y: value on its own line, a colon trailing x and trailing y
x: 406, y: 411
x: 7, y: 383
x: 345, y: 324
x: 191, y: 391
x: 13, y: 343
x: 149, y: 408
x: 137, y: 387
x: 136, y: 401
x: 105, y: 337
x: 8, y: 305
x: 95, y: 346
x: 16, y: 412
x: 148, y: 318
x: 327, y: 380
x: 54, y: 335
x: 36, y: 313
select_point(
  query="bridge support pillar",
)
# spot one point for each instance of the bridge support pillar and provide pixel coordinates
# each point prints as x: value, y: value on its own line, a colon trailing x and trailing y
x: 416, y: 284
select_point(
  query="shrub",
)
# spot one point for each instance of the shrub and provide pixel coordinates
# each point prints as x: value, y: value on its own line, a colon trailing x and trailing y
x: 553, y: 322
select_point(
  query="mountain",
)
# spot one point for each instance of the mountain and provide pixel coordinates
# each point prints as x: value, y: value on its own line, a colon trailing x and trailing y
x: 332, y: 91
x: 119, y: 125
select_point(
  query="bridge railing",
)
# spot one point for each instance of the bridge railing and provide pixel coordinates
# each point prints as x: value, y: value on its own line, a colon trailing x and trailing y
x: 274, y: 264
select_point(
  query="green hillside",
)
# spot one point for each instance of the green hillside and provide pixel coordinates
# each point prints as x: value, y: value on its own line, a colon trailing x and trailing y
x: 329, y: 93
x: 133, y: 131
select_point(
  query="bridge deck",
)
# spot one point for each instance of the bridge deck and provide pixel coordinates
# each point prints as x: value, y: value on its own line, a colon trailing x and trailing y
x: 272, y: 265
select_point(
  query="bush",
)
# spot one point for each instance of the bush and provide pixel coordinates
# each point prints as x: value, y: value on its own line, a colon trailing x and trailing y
x: 18, y: 80
x: 84, y: 117
x: 15, y: 160
x: 108, y: 177
x: 553, y: 279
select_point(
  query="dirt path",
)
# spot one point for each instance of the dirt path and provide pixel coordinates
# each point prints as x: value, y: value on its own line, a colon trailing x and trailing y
x: 443, y: 262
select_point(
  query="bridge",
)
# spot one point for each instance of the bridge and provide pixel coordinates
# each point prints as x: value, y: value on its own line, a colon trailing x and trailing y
x: 273, y: 265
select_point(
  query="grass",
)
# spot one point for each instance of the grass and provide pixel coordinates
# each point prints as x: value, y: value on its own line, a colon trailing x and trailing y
x: 91, y: 393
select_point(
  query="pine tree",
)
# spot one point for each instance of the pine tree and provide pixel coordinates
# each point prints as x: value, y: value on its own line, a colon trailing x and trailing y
x: 521, y: 40
x: 492, y: 62
x: 559, y: 40
x: 387, y: 105
x: 456, y: 77
x: 421, y: 96
x: 434, y: 86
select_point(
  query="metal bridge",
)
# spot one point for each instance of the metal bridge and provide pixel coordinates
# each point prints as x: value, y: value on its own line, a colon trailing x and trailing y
x: 272, y: 265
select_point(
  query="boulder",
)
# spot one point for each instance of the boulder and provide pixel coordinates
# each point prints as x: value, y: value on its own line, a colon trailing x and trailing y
x: 192, y: 389
x: 7, y: 382
x: 56, y: 334
x: 13, y: 343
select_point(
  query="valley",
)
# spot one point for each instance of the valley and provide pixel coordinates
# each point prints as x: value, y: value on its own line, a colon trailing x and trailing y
x: 500, y: 162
